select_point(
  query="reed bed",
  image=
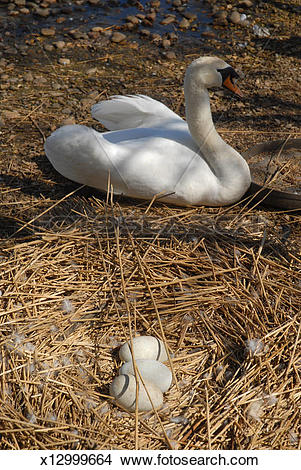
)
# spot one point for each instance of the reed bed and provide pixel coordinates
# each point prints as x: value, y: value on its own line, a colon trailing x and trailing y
x: 221, y: 288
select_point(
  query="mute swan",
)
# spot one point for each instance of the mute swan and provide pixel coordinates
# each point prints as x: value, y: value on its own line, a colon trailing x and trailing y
x: 150, y: 150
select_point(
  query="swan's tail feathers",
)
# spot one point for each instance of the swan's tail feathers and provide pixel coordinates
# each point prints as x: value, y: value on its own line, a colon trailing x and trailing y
x: 272, y: 198
x: 127, y: 112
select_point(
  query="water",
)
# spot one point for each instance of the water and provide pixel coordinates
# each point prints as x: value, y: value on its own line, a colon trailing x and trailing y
x: 107, y: 14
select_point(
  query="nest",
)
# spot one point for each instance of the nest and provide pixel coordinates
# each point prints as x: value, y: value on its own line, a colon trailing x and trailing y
x: 220, y: 287
x: 81, y: 273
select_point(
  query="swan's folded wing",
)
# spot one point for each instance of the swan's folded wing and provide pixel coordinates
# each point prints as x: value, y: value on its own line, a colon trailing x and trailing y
x: 126, y: 112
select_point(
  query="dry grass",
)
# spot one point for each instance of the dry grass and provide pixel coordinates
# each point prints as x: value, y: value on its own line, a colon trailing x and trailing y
x: 78, y: 273
x: 208, y: 279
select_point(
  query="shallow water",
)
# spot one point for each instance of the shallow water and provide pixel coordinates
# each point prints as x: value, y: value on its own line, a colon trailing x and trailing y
x: 107, y: 14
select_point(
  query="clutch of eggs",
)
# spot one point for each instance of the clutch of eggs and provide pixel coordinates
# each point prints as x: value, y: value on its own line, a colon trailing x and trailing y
x: 152, y: 375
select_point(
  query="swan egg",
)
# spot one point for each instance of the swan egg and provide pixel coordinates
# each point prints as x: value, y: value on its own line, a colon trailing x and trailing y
x: 123, y: 389
x: 150, y: 370
x: 144, y: 347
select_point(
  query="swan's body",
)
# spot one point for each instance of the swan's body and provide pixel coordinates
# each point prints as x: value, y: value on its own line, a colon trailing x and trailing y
x: 151, y: 150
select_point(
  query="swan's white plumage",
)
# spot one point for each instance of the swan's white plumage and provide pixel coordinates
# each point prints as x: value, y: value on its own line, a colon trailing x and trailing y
x: 151, y: 150
x: 125, y: 112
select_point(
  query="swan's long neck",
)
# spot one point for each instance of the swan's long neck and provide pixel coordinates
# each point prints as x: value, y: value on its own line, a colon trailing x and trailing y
x: 229, y: 167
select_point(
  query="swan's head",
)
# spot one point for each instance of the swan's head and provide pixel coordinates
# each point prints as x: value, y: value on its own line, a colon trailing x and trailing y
x: 209, y: 72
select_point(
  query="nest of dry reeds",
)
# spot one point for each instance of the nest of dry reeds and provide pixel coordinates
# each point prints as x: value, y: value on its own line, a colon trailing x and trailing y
x: 221, y: 287
x: 81, y: 273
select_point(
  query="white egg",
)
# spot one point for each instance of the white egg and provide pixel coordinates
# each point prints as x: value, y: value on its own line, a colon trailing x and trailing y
x: 123, y: 389
x: 151, y: 370
x: 145, y: 347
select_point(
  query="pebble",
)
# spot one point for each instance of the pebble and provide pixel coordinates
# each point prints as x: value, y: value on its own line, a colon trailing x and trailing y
x: 132, y: 19
x: 48, y: 47
x: 145, y: 347
x: 170, y: 55
x: 44, y: 12
x: 166, y: 43
x: 123, y: 389
x: 246, y: 3
x: 64, y: 61
x: 208, y: 34
x: 235, y: 17
x: 168, y: 20
x: 145, y: 32
x: 156, y: 37
x: 118, y: 37
x: 28, y: 77
x: 150, y: 370
x: 48, y: 31
x: 184, y: 23
x: 189, y: 16
x: 59, y: 44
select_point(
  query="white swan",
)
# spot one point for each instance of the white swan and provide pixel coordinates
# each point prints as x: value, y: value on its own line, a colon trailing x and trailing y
x: 151, y: 150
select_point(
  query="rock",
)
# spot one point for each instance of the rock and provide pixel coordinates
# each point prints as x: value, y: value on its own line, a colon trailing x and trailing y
x: 76, y: 34
x: 59, y: 44
x: 97, y: 29
x: 190, y: 16
x: 20, y: 3
x: 208, y: 34
x: 147, y: 22
x: 166, y: 43
x: 44, y: 12
x: 64, y: 61
x: 145, y: 32
x: 129, y: 26
x: 48, y: 47
x: 48, y: 32
x: 123, y: 389
x: 132, y: 19
x: 184, y: 24
x: 168, y: 20
x: 156, y: 37
x: 28, y: 77
x: 150, y: 370
x: 172, y: 36
x: 145, y: 347
x: 177, y: 3
x: 235, y: 17
x: 151, y: 16
x: 118, y: 37
x: 245, y: 4
x: 24, y: 11
x: 170, y: 55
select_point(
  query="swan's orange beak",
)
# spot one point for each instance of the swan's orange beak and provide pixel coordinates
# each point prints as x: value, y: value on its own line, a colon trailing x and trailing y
x: 227, y: 83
